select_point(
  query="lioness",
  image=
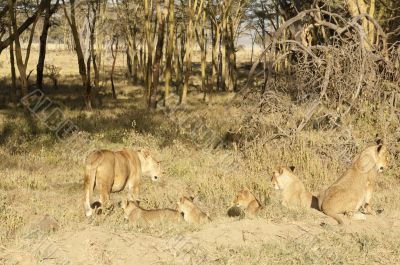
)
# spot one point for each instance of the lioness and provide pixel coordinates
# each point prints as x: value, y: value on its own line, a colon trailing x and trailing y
x: 353, y: 190
x: 134, y: 213
x: 246, y: 200
x: 293, y: 191
x: 110, y: 171
x: 191, y: 213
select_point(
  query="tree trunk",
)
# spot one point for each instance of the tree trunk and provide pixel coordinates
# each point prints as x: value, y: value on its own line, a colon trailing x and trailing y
x: 149, y: 42
x: 114, y: 54
x: 13, y: 88
x: 21, y: 64
x: 43, y: 41
x: 158, y: 56
x: 78, y: 48
x: 169, y: 51
x: 187, y: 62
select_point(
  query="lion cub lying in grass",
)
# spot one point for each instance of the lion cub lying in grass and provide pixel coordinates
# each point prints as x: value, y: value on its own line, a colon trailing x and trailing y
x: 191, y: 213
x: 353, y: 190
x: 247, y: 202
x: 134, y: 213
x: 293, y: 191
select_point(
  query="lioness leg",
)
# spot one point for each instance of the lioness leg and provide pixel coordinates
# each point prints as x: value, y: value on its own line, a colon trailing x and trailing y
x: 367, y: 209
x: 133, y: 191
x: 104, y: 197
x: 334, y: 215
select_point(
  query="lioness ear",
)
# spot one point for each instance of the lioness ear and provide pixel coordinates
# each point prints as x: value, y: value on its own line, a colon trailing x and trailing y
x: 137, y: 202
x: 379, y: 142
x: 380, y: 148
x: 292, y: 168
x: 191, y: 198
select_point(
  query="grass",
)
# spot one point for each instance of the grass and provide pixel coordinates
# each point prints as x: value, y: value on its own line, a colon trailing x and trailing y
x: 42, y: 175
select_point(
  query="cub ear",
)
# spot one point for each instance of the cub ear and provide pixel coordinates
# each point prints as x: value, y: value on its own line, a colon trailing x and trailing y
x: 137, y: 202
x: 191, y: 198
x: 379, y: 141
x: 292, y: 168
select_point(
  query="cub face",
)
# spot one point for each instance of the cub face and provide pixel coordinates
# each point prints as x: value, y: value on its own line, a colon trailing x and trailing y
x: 281, y: 177
x: 243, y: 198
x: 129, y: 206
x: 184, y: 204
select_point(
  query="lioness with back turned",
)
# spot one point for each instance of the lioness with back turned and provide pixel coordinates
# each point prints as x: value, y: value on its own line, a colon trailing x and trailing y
x: 353, y: 190
x: 111, y: 171
x: 191, y: 213
x: 134, y: 213
x: 293, y: 190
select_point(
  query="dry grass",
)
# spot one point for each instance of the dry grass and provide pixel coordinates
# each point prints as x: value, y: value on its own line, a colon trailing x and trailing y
x: 42, y: 175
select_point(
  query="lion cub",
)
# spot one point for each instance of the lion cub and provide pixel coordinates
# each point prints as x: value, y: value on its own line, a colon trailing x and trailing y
x: 354, y: 188
x: 134, y: 213
x: 191, y: 213
x: 246, y: 200
x: 293, y: 191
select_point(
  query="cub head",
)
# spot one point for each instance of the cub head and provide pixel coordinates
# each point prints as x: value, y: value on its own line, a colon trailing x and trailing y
x: 281, y: 177
x: 243, y: 198
x: 183, y: 203
x: 129, y: 206
x: 150, y: 166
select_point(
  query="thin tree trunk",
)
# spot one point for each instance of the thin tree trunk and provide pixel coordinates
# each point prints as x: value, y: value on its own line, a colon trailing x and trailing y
x: 158, y: 56
x: 13, y: 88
x: 169, y: 51
x: 78, y: 48
x: 149, y: 42
x: 187, y: 62
x: 114, y: 54
x: 43, y: 41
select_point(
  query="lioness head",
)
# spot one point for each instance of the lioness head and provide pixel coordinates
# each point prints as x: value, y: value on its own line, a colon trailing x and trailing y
x: 150, y: 166
x: 243, y: 198
x: 372, y: 158
x: 282, y: 177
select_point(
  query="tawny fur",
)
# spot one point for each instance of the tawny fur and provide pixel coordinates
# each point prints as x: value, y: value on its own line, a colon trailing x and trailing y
x: 191, y: 213
x: 111, y: 171
x: 354, y: 188
x: 294, y: 193
x: 246, y: 200
x: 135, y: 213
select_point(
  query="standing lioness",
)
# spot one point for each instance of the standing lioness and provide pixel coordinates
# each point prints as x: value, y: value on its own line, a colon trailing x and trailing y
x: 110, y: 171
x: 354, y: 188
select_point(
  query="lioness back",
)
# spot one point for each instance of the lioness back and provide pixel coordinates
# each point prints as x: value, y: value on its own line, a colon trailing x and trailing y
x: 293, y: 190
x: 353, y: 189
